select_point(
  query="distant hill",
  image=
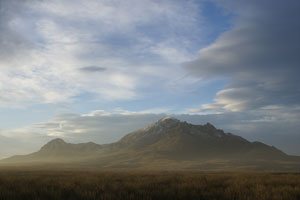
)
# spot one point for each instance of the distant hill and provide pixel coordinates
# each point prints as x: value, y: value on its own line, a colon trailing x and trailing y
x: 165, y: 144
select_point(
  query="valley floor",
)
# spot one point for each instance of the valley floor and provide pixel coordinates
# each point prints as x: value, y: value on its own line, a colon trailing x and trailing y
x: 75, y: 184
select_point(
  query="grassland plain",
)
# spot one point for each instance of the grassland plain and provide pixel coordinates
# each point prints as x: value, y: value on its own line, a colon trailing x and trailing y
x: 72, y: 184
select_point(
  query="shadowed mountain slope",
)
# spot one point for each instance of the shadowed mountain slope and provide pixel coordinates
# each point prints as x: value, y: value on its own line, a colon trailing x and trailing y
x: 183, y: 140
x: 166, y: 143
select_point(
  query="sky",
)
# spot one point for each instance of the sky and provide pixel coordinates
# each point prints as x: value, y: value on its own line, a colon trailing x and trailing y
x: 96, y: 70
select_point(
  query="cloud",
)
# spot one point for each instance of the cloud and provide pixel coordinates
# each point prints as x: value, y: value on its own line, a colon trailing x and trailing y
x: 91, y: 69
x: 45, y: 46
x: 14, y: 46
x: 96, y: 113
x: 258, y: 57
x: 98, y: 126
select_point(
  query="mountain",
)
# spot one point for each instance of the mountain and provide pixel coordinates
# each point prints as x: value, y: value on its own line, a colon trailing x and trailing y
x: 56, y: 151
x: 167, y: 143
x: 58, y: 147
x: 181, y: 140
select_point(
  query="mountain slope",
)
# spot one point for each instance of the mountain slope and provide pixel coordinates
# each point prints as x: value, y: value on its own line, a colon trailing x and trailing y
x: 57, y: 151
x: 167, y: 143
x: 58, y: 147
x: 180, y: 139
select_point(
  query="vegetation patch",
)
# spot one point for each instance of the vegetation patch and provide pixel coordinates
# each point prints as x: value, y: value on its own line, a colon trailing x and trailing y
x: 129, y: 184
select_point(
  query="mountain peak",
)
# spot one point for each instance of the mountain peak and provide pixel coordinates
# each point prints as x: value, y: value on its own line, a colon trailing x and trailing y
x: 165, y: 122
x: 55, y: 143
x: 59, y: 147
x: 167, y: 118
x: 209, y: 126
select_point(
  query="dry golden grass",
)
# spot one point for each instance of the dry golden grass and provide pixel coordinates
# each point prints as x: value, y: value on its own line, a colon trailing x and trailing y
x: 123, y: 185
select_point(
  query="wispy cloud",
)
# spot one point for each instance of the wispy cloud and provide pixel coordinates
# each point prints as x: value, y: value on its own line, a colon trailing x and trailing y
x: 47, y: 45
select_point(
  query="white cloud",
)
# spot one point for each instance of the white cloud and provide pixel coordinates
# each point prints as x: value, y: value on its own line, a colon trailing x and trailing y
x: 59, y: 38
x: 96, y: 113
x: 170, y: 52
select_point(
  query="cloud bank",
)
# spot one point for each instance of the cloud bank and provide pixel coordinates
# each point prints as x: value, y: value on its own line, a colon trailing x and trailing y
x: 258, y: 57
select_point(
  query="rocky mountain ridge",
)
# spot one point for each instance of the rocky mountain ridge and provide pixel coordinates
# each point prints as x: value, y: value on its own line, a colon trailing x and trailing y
x: 167, y: 140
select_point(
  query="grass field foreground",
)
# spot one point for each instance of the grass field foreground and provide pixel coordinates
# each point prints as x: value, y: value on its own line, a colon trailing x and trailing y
x: 137, y: 185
